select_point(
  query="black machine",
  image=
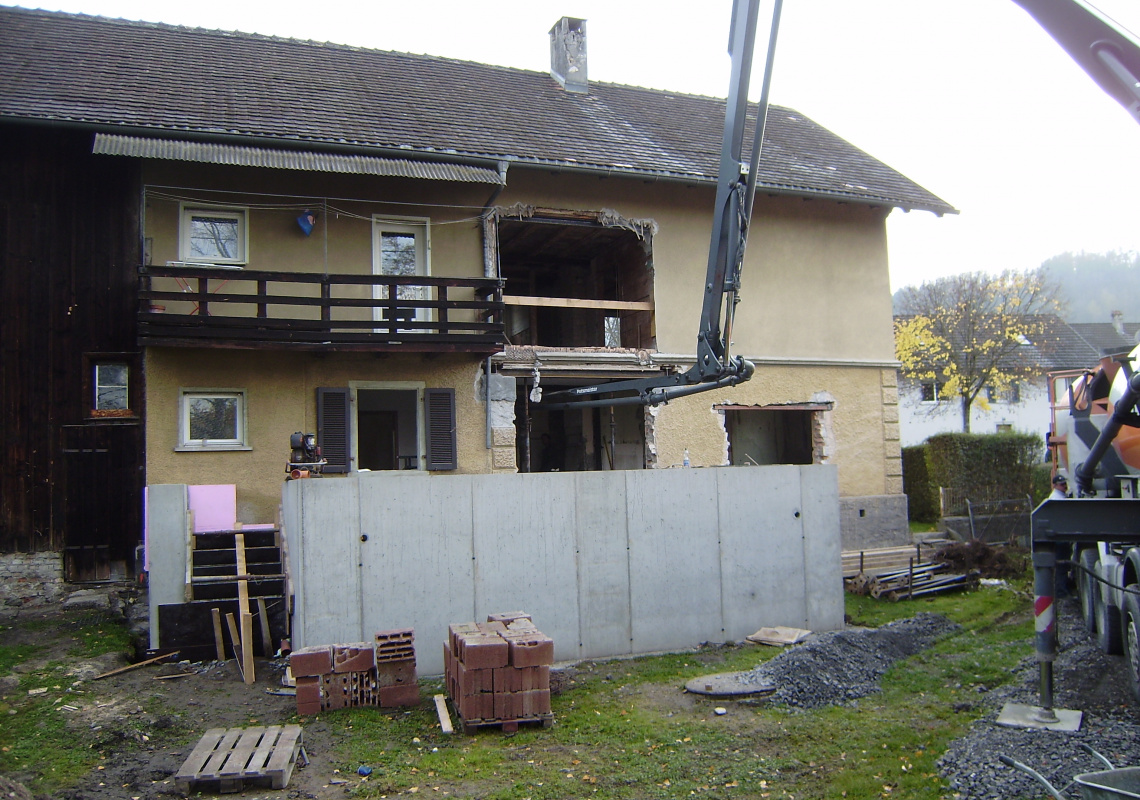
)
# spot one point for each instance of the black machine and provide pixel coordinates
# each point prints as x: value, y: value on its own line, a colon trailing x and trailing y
x: 736, y: 190
x: 304, y: 456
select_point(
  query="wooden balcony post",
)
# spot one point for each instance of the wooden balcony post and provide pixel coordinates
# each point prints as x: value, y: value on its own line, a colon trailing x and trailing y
x: 203, y: 295
x: 326, y: 300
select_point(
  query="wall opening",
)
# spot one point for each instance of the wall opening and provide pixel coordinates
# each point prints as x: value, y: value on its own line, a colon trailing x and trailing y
x: 576, y: 282
x: 386, y: 433
x: 577, y: 439
x: 760, y: 435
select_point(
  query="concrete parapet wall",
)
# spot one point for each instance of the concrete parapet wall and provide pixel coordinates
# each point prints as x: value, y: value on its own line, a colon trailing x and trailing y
x: 874, y: 521
x: 607, y: 563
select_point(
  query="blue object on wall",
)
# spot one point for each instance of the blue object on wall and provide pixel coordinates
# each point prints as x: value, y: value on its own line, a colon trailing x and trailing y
x: 307, y: 220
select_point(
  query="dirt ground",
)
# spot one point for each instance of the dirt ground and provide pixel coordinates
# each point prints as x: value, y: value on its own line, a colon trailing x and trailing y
x: 146, y: 720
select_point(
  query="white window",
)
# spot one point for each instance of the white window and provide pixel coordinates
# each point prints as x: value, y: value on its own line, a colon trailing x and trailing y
x: 932, y: 392
x: 213, y: 235
x: 400, y: 248
x: 212, y: 419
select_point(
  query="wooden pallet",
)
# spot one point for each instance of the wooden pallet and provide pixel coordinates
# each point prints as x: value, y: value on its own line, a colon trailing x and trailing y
x: 230, y: 760
x: 469, y: 726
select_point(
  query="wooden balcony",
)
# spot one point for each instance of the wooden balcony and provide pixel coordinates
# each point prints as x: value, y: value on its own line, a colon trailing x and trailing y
x: 187, y: 306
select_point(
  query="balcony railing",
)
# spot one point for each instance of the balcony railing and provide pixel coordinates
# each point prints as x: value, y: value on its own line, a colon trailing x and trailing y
x: 237, y: 308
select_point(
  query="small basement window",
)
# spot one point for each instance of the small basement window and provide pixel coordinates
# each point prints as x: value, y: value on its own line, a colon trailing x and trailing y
x: 108, y: 385
x: 212, y: 420
x: 111, y: 387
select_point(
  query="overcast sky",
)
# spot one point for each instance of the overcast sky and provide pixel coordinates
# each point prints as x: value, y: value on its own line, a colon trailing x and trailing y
x: 970, y: 99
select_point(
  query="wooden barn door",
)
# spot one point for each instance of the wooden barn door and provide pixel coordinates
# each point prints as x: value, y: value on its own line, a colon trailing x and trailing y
x: 103, y: 500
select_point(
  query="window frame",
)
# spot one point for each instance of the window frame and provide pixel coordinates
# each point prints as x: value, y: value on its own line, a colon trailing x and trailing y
x: 188, y: 445
x: 419, y: 228
x: 187, y: 212
x: 91, y: 364
x: 936, y: 387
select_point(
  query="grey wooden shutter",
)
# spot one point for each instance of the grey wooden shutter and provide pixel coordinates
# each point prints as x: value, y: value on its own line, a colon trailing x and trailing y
x: 334, y: 417
x: 439, y: 412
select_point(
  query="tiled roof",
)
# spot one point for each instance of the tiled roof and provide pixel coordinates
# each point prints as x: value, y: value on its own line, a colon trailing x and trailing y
x: 155, y: 79
x: 1057, y: 346
x: 1104, y: 337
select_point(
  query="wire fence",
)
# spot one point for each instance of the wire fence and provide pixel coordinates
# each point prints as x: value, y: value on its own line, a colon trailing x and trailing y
x: 990, y: 519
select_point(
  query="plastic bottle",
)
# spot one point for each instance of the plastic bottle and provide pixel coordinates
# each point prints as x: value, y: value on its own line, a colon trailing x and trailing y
x: 685, y: 460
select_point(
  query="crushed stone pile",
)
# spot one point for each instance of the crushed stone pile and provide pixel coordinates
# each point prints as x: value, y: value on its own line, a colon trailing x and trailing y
x: 841, y: 666
x: 1086, y: 680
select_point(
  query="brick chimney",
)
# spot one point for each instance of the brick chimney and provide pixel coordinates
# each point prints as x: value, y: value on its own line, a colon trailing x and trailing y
x: 1118, y: 321
x: 568, y: 54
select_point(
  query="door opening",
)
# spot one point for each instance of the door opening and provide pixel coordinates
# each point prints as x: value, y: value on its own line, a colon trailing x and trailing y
x: 577, y: 439
x: 386, y: 429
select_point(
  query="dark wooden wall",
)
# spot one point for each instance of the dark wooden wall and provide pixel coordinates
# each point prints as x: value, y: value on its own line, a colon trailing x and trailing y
x: 69, y: 255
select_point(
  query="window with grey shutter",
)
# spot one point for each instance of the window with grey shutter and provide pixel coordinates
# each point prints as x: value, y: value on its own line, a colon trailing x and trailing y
x: 333, y: 419
x: 439, y: 412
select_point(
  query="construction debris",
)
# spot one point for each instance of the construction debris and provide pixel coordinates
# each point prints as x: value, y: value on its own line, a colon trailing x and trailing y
x: 136, y: 665
x: 779, y: 635
x: 916, y: 580
x: 498, y: 672
x: 381, y: 673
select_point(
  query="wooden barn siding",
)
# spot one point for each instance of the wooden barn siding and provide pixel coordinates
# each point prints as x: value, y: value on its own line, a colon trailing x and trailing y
x: 69, y: 254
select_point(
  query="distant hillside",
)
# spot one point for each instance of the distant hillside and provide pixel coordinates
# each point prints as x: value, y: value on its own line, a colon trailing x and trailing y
x: 1093, y: 285
x: 1096, y: 284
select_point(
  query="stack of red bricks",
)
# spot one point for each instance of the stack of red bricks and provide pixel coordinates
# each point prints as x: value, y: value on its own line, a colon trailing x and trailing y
x: 381, y: 673
x: 498, y: 672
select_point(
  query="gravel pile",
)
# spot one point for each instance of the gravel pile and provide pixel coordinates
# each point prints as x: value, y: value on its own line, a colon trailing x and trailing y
x: 840, y: 667
x: 1084, y: 680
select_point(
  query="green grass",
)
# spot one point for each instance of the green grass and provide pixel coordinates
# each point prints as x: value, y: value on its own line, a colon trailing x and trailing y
x: 624, y: 729
x: 36, y: 744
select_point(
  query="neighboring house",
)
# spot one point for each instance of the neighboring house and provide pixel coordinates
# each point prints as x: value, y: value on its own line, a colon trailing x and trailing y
x: 1109, y: 337
x: 924, y: 410
x: 213, y: 240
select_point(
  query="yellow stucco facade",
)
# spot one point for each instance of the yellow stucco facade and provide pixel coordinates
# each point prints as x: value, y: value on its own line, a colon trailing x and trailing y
x: 815, y: 317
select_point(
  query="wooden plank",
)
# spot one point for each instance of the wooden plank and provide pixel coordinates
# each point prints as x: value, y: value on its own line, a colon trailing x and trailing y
x: 246, y: 618
x: 136, y: 665
x: 263, y: 621
x: 219, y: 641
x: 255, y: 765
x: 234, y: 766
x: 202, y: 751
x: 247, y: 648
x: 442, y: 713
x: 235, y: 640
x: 573, y: 302
x: 218, y: 758
x: 284, y: 758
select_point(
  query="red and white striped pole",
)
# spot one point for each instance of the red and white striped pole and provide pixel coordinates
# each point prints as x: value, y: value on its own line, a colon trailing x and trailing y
x: 1045, y: 622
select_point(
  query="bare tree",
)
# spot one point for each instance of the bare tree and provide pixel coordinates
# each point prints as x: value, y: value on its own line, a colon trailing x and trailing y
x: 972, y: 331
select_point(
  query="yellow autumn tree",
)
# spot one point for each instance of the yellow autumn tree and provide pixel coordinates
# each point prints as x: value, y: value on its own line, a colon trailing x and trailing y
x: 975, y: 330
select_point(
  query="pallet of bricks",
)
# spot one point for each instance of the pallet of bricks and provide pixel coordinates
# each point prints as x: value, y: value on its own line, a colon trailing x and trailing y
x: 380, y: 673
x: 498, y: 672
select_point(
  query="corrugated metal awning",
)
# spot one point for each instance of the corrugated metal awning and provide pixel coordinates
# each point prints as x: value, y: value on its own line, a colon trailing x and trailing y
x: 310, y: 161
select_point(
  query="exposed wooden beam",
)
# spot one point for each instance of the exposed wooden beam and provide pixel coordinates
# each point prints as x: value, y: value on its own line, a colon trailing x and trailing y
x: 572, y: 302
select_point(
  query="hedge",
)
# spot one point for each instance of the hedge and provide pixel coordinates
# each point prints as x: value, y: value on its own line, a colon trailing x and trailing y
x: 1001, y: 466
x: 922, y: 498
